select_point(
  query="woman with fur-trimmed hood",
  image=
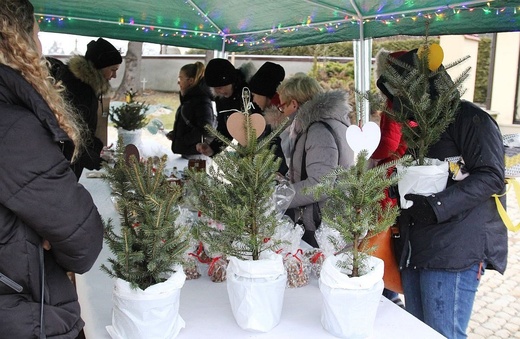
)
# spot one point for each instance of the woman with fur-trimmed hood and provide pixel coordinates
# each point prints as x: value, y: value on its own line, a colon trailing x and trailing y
x: 86, y: 81
x: 314, y: 143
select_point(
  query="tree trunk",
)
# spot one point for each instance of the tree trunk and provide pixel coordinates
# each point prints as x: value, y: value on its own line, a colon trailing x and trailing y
x: 132, y: 75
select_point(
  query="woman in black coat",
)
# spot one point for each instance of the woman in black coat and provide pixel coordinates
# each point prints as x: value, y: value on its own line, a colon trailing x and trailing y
x: 48, y: 223
x: 86, y: 81
x: 449, y: 238
x: 194, y: 113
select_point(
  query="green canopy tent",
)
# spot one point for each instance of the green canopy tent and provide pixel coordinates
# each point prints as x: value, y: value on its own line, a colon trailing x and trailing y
x: 240, y: 25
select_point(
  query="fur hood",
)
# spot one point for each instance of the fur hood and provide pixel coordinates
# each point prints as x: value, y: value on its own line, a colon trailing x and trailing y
x: 247, y: 70
x: 324, y: 106
x: 85, y: 71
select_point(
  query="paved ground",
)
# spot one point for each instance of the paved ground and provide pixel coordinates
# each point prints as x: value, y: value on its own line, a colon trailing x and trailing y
x: 496, y: 313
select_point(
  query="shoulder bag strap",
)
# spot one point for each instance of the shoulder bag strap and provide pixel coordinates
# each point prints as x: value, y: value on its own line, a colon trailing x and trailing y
x: 186, y: 119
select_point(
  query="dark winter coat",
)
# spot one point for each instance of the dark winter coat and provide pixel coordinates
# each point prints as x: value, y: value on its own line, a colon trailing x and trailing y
x: 85, y: 86
x: 40, y: 199
x: 226, y: 107
x: 469, y: 228
x: 193, y: 114
x: 321, y: 146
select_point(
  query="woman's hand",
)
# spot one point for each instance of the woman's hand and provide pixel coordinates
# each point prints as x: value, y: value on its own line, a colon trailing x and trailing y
x: 204, y: 148
x: 46, y: 245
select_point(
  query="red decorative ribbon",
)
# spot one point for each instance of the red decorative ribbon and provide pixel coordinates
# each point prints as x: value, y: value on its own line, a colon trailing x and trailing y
x: 314, y: 259
x: 200, y: 250
x: 295, y: 255
x: 212, y: 265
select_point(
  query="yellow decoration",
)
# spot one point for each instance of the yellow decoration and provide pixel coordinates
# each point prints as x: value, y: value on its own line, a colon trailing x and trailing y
x: 435, y: 55
x: 502, y: 211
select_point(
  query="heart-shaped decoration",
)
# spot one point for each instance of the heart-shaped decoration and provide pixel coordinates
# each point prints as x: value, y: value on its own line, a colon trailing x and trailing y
x: 236, y: 125
x: 365, y: 138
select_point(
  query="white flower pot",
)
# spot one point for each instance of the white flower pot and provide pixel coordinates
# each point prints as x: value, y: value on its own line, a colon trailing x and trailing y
x: 256, y: 290
x: 149, y: 314
x: 423, y: 180
x: 350, y: 304
x: 130, y: 137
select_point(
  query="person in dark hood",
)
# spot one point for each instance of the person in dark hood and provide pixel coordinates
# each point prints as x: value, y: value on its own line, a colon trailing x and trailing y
x: 447, y: 239
x: 263, y: 87
x: 49, y: 224
x: 194, y: 112
x: 226, y: 83
x: 86, y: 80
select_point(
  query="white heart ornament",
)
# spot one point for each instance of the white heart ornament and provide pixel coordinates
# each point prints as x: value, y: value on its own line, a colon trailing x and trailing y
x: 365, y: 138
x: 237, y: 128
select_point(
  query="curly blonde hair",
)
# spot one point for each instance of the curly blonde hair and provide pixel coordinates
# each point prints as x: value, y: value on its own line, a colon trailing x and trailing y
x: 19, y: 51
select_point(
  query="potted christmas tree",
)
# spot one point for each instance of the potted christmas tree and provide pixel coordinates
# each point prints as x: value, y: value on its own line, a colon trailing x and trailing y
x: 129, y: 118
x: 236, y: 202
x: 424, y: 101
x: 148, y: 249
x: 351, y: 281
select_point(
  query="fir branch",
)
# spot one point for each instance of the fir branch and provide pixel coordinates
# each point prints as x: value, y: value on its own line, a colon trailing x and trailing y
x: 432, y: 107
x: 353, y: 204
x: 149, y: 243
x: 238, y: 196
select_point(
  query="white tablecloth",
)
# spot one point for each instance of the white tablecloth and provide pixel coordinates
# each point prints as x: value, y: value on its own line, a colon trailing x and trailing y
x: 205, y: 306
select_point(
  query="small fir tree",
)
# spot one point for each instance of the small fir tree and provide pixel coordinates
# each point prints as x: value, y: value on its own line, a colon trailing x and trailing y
x: 353, y: 206
x: 425, y: 93
x: 131, y: 115
x: 149, y: 243
x: 237, y: 196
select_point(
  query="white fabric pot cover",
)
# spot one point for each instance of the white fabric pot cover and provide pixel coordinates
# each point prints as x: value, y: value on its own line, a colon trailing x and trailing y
x: 130, y: 137
x: 152, y: 313
x: 423, y: 180
x: 256, y: 289
x: 350, y: 304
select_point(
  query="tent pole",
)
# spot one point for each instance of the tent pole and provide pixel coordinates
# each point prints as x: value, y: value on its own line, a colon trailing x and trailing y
x: 362, y: 66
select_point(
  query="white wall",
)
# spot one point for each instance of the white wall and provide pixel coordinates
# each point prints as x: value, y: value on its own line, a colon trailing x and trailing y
x: 456, y: 47
x: 506, y: 76
x: 161, y: 72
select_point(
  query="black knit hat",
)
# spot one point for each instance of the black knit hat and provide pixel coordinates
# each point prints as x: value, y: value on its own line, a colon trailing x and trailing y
x: 266, y: 79
x: 103, y: 54
x: 220, y: 72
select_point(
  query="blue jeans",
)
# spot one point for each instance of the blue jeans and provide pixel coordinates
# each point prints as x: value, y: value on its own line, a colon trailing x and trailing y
x: 441, y: 299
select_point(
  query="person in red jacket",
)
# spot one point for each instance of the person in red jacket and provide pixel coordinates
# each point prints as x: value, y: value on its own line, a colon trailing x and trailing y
x: 391, y: 147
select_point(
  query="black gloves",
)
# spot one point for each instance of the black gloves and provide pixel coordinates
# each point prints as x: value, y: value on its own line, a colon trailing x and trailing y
x: 420, y: 213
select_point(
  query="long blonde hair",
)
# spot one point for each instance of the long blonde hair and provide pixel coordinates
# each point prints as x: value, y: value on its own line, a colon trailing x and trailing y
x: 18, y: 50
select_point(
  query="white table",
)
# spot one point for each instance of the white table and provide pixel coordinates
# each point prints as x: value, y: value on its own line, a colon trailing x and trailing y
x: 205, y: 305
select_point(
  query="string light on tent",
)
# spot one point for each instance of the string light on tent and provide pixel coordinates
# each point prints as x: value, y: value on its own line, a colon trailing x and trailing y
x: 268, y: 37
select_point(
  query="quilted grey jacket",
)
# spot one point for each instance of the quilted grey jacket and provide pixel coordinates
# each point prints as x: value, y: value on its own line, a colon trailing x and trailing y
x: 322, y: 153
